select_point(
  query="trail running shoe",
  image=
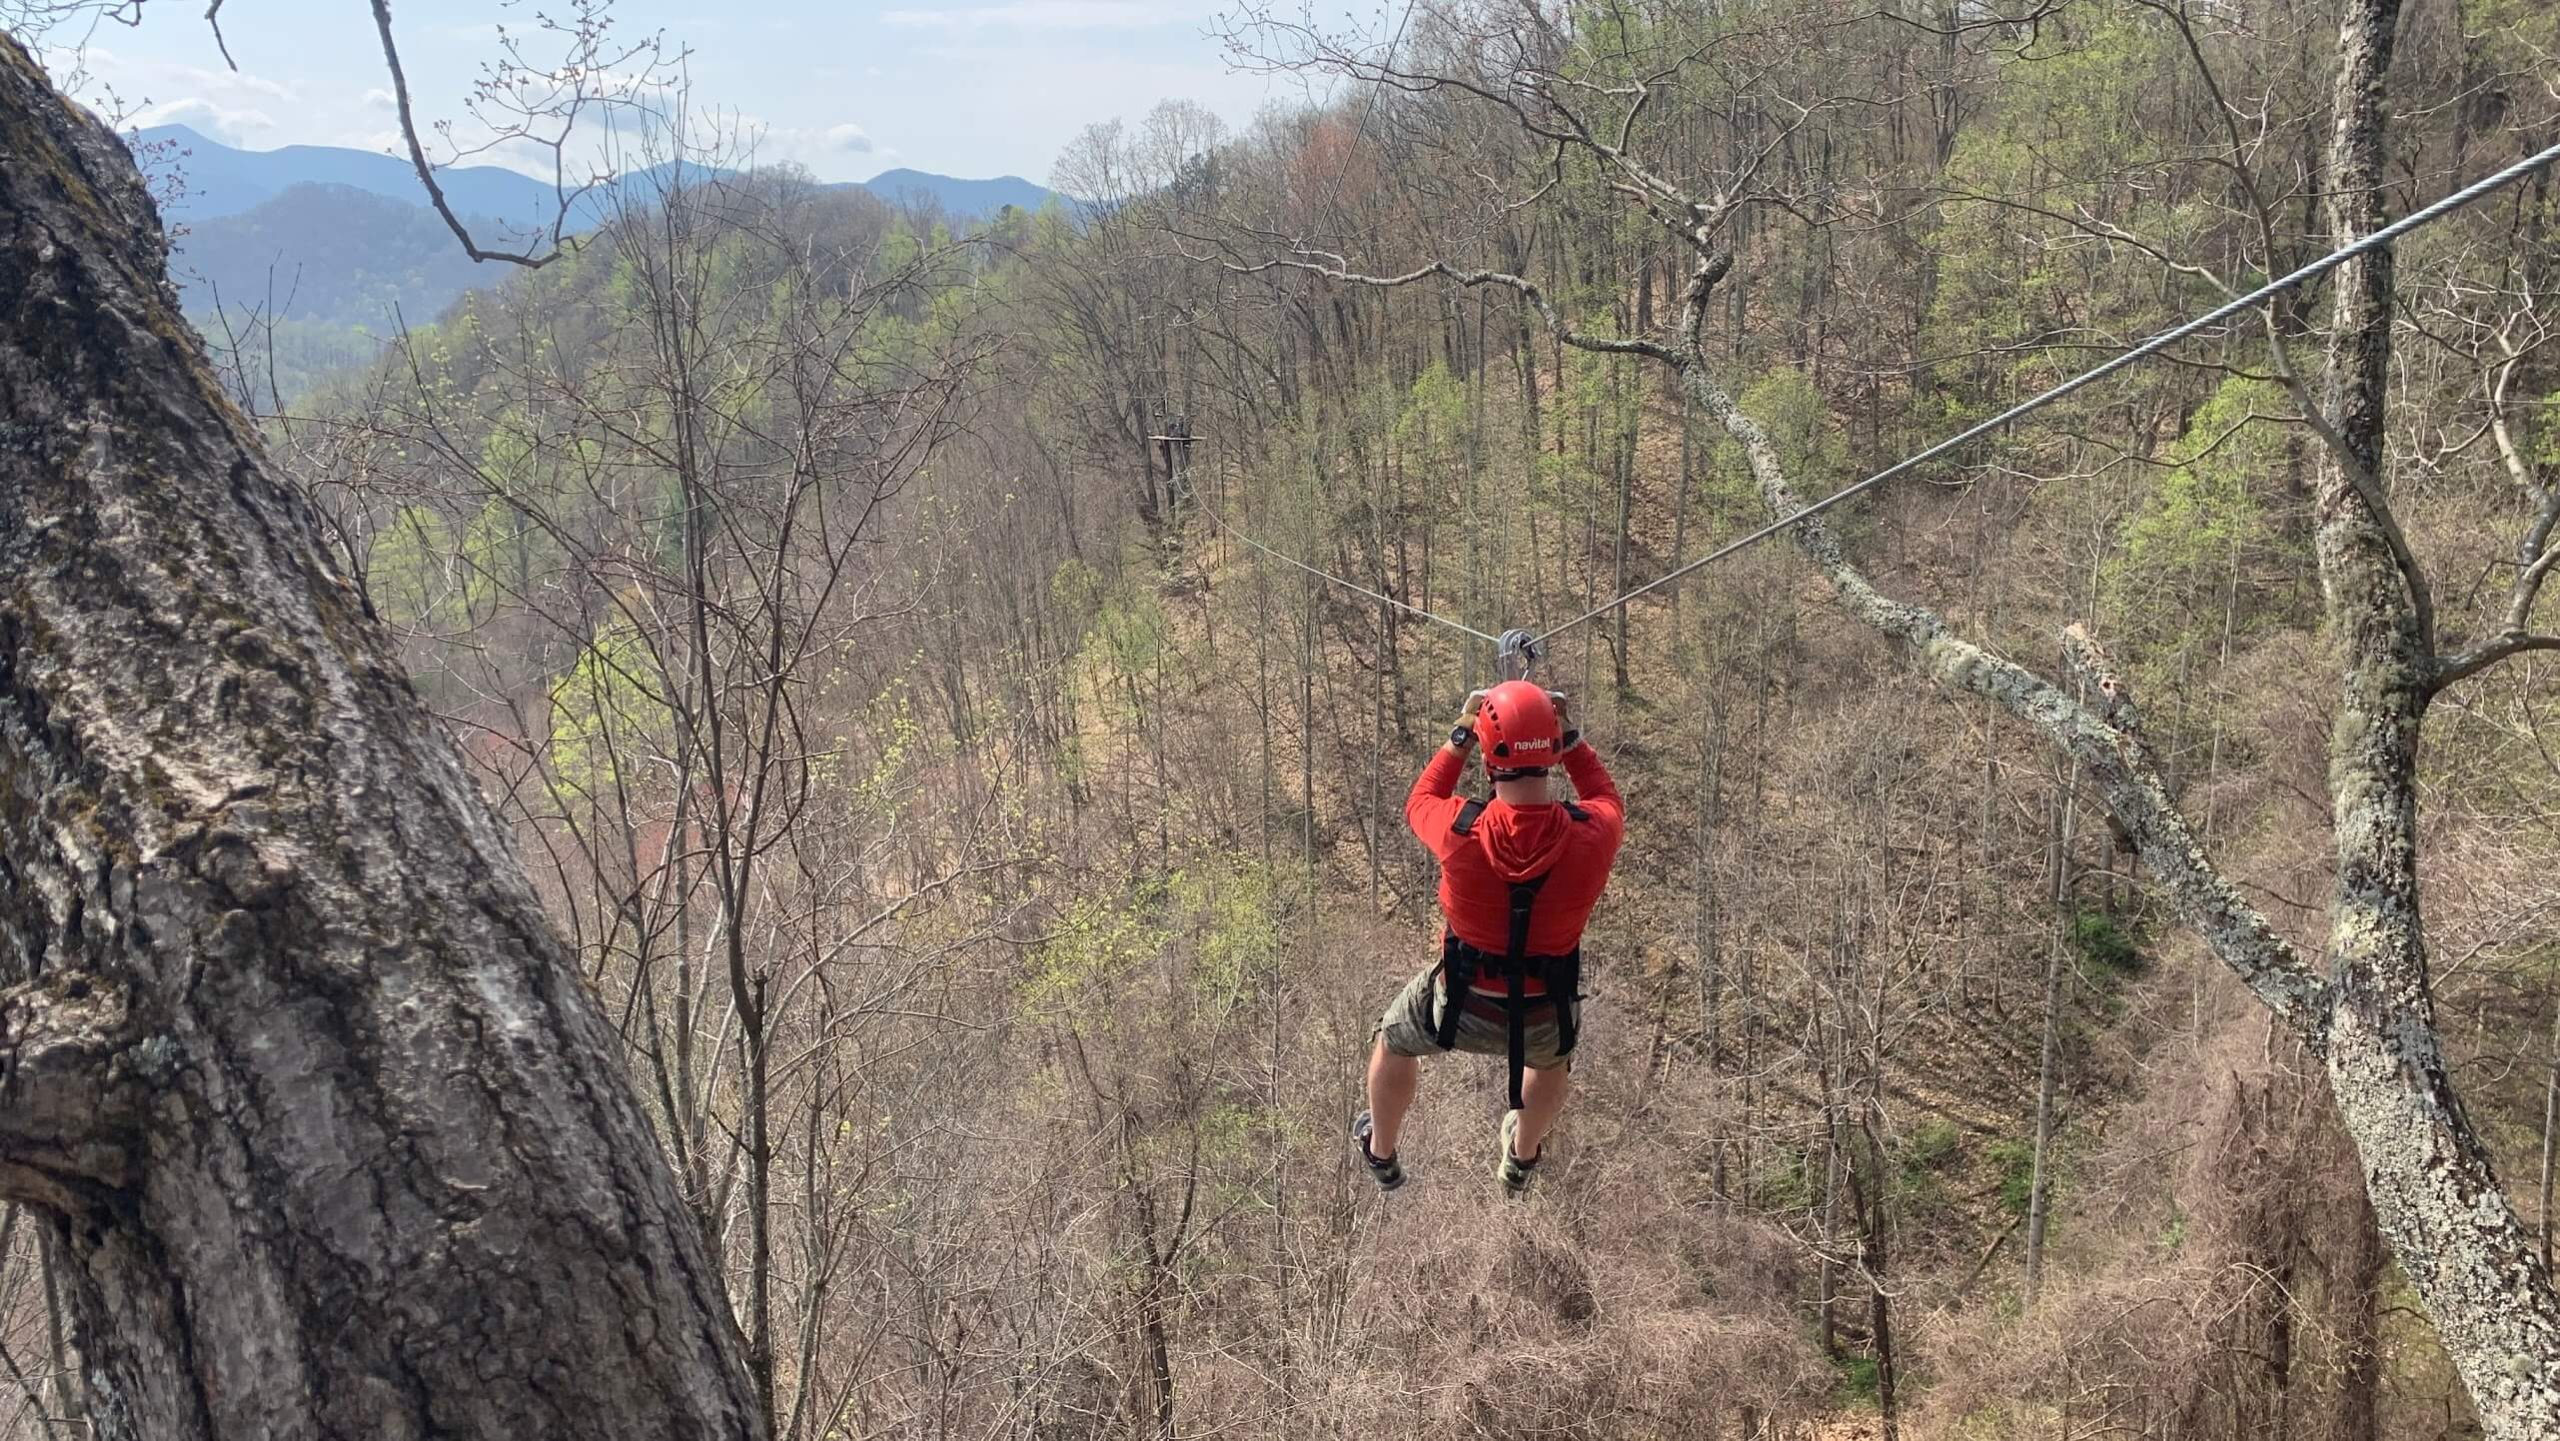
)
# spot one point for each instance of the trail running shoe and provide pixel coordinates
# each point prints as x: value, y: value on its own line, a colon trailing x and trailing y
x: 1388, y: 1173
x: 1514, y: 1173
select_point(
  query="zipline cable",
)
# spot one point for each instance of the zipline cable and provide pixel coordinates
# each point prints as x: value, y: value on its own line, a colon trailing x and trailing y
x: 1220, y: 521
x: 1368, y: 103
x: 2153, y: 346
x: 2146, y: 349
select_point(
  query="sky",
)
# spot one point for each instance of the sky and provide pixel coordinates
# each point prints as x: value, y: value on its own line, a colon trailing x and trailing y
x: 973, y: 88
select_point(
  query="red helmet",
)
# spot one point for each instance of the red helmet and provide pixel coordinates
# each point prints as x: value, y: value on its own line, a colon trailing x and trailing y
x: 1518, y: 728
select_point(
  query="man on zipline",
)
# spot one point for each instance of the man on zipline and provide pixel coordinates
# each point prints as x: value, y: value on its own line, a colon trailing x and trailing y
x: 1518, y: 877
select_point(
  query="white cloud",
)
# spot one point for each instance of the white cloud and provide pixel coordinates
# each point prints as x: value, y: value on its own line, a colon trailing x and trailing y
x: 378, y: 98
x: 221, y: 82
x: 61, y: 60
x: 1046, y: 15
x: 141, y: 90
x: 827, y: 150
x: 232, y: 126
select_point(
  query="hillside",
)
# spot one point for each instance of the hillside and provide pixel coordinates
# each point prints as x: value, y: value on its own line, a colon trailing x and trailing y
x: 844, y: 782
x: 1150, y: 778
x: 331, y: 255
x: 220, y: 180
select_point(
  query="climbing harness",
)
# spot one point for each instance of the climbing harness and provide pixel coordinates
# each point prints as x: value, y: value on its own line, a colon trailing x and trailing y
x: 1525, y: 648
x: 1461, y: 963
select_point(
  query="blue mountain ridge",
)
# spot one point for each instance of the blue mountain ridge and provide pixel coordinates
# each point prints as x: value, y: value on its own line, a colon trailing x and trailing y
x: 222, y: 180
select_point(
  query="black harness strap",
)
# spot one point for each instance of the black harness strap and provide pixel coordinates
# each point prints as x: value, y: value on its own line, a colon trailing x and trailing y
x: 1459, y: 963
x: 1457, y: 958
x: 1515, y: 966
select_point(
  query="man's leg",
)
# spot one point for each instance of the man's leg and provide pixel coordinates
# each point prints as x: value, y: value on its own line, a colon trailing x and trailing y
x: 1542, y: 1096
x: 1393, y: 1079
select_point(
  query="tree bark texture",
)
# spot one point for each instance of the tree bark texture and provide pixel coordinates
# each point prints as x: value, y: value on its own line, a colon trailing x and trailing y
x: 2449, y: 1223
x: 329, y: 1136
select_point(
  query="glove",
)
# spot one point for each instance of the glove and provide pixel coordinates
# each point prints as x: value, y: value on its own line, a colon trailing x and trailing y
x: 1463, y: 734
x: 1564, y: 721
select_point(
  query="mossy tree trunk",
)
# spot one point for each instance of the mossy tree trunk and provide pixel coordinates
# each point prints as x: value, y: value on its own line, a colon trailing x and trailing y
x: 327, y: 1133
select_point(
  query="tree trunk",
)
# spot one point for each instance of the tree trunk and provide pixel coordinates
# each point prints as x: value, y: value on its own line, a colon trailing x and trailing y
x: 2038, y: 1180
x: 2434, y: 1193
x: 330, y: 1136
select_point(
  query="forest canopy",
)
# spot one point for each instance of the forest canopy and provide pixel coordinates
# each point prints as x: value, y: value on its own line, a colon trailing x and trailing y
x: 982, y: 825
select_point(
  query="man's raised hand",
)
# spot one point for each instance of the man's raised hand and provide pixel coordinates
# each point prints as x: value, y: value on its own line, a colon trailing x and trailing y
x: 1564, y: 720
x: 1462, y: 735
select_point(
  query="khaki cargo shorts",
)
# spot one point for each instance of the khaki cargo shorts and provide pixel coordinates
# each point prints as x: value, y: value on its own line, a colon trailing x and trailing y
x: 1408, y: 1026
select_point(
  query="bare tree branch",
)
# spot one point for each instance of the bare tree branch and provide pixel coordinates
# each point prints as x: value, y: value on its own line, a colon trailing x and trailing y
x: 1602, y: 344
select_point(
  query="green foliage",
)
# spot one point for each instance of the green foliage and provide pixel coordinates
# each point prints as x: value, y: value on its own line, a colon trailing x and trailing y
x: 1190, y: 941
x: 1125, y: 634
x: 2203, y: 526
x: 1434, y: 417
x: 1933, y: 1145
x: 2095, y: 937
x: 607, y: 715
x: 1931, y: 1150
x: 1859, y: 1383
x: 1236, y: 931
x: 874, y: 757
x: 2230, y: 454
x: 2075, y: 142
x: 2015, y: 1163
x: 1100, y: 939
x: 1786, y: 1186
x: 504, y: 553
x: 1809, y: 441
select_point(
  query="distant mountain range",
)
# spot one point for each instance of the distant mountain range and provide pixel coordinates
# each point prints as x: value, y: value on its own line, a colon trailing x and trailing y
x: 332, y: 242
x: 963, y: 199
x: 222, y: 180
x: 329, y: 254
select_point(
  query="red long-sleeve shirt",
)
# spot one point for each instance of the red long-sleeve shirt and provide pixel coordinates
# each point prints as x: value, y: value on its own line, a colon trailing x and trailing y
x: 1514, y: 843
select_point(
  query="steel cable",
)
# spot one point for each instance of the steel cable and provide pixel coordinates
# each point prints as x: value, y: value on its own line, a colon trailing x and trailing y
x: 2153, y: 346
x: 1221, y: 522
